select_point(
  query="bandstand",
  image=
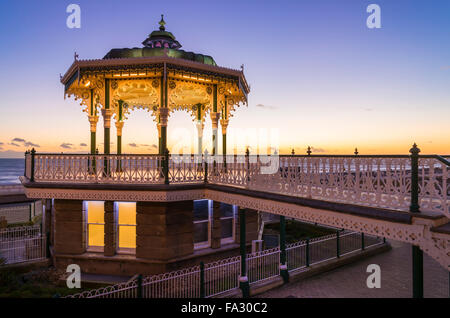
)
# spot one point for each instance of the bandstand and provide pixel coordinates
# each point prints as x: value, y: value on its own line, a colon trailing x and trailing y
x: 128, y: 234
x: 125, y: 214
x: 160, y: 78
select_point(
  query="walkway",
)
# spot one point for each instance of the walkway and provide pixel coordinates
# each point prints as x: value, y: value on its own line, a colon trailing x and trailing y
x: 350, y: 280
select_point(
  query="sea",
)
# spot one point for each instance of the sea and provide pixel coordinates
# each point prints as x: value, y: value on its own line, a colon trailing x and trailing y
x: 10, y: 170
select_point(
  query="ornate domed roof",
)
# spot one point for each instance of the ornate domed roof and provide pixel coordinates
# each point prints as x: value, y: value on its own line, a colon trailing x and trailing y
x: 160, y: 43
x: 161, y: 38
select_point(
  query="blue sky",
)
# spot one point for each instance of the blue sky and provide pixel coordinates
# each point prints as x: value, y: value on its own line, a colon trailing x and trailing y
x: 317, y: 73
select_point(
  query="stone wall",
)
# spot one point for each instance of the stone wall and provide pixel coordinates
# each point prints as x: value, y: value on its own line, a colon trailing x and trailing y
x: 164, y: 230
x: 70, y: 227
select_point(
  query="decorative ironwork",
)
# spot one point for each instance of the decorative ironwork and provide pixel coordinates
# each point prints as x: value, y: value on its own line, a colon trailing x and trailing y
x: 223, y: 276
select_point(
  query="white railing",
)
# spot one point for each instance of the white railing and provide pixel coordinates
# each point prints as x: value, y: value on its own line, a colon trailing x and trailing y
x: 186, y: 169
x: 178, y: 284
x: 19, y: 232
x: 98, y: 168
x: 223, y: 275
x: 263, y: 265
x: 373, y: 181
x: 377, y: 181
x: 122, y: 290
x: 434, y: 185
x: 23, y: 250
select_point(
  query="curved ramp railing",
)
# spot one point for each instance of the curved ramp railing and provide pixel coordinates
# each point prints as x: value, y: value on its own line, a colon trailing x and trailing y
x: 384, y: 181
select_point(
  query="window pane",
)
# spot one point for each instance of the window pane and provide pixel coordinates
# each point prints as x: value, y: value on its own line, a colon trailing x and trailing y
x: 227, y: 228
x: 96, y: 212
x: 127, y: 236
x: 127, y: 213
x: 201, y: 210
x: 200, y: 232
x: 226, y: 210
x: 96, y: 235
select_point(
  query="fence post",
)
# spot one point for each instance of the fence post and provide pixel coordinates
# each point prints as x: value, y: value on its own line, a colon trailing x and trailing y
x: 243, y: 279
x: 417, y: 254
x: 414, y: 207
x: 338, y: 250
x: 33, y: 152
x: 283, y: 267
x: 363, y: 246
x: 25, y: 166
x: 166, y: 166
x: 202, y: 280
x: 307, y: 252
x: 139, y: 286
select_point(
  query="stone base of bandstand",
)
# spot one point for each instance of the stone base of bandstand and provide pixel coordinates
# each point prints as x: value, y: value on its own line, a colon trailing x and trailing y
x: 164, y: 240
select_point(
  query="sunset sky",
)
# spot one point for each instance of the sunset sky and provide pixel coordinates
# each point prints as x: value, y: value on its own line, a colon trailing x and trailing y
x: 318, y: 75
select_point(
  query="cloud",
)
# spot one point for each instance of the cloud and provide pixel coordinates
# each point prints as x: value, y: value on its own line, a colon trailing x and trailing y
x: 30, y: 144
x: 133, y: 145
x: 144, y: 145
x: 266, y: 106
x: 154, y: 146
x: 445, y: 67
x: 1, y: 143
x: 83, y: 144
x: 16, y: 141
x: 66, y: 145
x: 368, y: 109
x: 317, y: 150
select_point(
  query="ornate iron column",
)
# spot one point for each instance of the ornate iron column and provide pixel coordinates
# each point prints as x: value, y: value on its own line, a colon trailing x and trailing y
x: 224, y: 124
x: 215, y: 125
x: 200, y: 137
x: 164, y: 111
x: 93, y: 123
x: 215, y: 121
x: 107, y: 113
x: 119, y: 126
x: 417, y: 253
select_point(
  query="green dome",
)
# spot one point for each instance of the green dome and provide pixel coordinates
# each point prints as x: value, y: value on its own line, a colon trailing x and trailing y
x: 149, y: 52
x: 160, y: 43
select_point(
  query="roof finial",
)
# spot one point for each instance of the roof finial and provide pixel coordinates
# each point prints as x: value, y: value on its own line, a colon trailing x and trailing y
x: 162, y: 23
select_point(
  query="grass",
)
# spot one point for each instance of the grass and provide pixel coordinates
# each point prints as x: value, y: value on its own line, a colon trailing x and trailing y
x: 36, y: 284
